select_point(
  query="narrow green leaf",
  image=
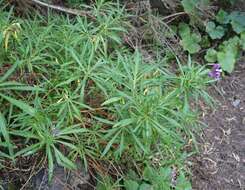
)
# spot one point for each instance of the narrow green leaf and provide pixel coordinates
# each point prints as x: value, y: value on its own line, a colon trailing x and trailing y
x: 63, y: 160
x: 50, y: 163
x: 9, y: 72
x: 111, y: 100
x: 110, y: 143
x: 71, y: 130
x: 20, y: 104
x: 5, y: 133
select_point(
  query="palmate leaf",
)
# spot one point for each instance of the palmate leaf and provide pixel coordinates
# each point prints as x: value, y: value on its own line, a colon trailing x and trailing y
x: 189, y: 5
x: 222, y: 17
x: 183, y: 183
x: 227, y: 60
x: 146, y: 186
x: 211, y: 55
x: 215, y: 32
x: 184, y: 30
x: 131, y: 185
x: 190, y: 43
x: 242, y: 41
x: 238, y: 21
x: 190, y: 40
x: 20, y: 104
x: 228, y: 53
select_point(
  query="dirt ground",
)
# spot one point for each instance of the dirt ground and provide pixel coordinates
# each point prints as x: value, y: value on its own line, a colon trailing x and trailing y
x: 221, y: 162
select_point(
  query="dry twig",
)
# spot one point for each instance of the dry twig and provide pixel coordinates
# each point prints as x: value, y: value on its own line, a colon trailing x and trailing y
x: 75, y: 12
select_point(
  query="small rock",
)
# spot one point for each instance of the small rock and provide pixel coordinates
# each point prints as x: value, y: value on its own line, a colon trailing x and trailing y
x: 63, y: 179
x: 243, y: 121
x: 236, y: 103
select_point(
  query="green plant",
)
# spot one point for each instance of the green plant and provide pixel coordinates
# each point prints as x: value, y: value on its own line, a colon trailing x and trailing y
x: 243, y: 40
x: 107, y: 183
x: 195, y: 7
x: 90, y: 98
x: 106, y: 28
x: 43, y: 135
x: 237, y: 21
x: 5, y: 88
x: 227, y: 52
x: 10, y: 31
x: 190, y: 41
x: 222, y: 17
x: 215, y: 32
x: 226, y: 55
x: 158, y: 179
x: 211, y: 55
x: 191, y: 82
x: 140, y: 111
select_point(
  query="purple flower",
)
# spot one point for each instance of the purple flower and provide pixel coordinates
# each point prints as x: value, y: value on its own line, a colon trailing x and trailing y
x: 215, y: 72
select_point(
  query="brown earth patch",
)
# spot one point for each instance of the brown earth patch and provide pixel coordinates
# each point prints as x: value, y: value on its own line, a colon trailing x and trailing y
x: 221, y: 162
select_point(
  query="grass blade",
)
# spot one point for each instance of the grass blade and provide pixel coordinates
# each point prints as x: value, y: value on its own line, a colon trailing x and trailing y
x: 20, y: 104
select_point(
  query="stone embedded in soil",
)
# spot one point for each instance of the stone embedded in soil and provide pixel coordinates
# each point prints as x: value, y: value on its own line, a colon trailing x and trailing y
x: 236, y: 103
x: 62, y: 180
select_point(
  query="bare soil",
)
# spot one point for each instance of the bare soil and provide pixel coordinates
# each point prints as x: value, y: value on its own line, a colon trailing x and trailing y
x: 221, y: 162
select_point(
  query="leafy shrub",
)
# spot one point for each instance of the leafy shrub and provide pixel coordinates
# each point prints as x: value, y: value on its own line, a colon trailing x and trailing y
x: 160, y: 179
x: 90, y: 97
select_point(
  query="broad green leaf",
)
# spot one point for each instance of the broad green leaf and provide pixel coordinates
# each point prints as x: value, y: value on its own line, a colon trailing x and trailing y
x: 183, y: 183
x: 189, y: 5
x: 166, y: 173
x: 222, y: 17
x: 205, y: 42
x: 237, y: 27
x: 211, y: 55
x: 215, y: 32
x: 190, y: 43
x: 238, y: 21
x: 131, y: 174
x: 184, y: 30
x: 146, y: 186
x: 242, y: 41
x: 20, y: 104
x: 149, y: 174
x: 227, y: 60
x: 131, y: 185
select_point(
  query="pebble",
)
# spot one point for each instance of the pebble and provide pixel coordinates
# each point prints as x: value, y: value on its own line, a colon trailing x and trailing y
x: 236, y: 103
